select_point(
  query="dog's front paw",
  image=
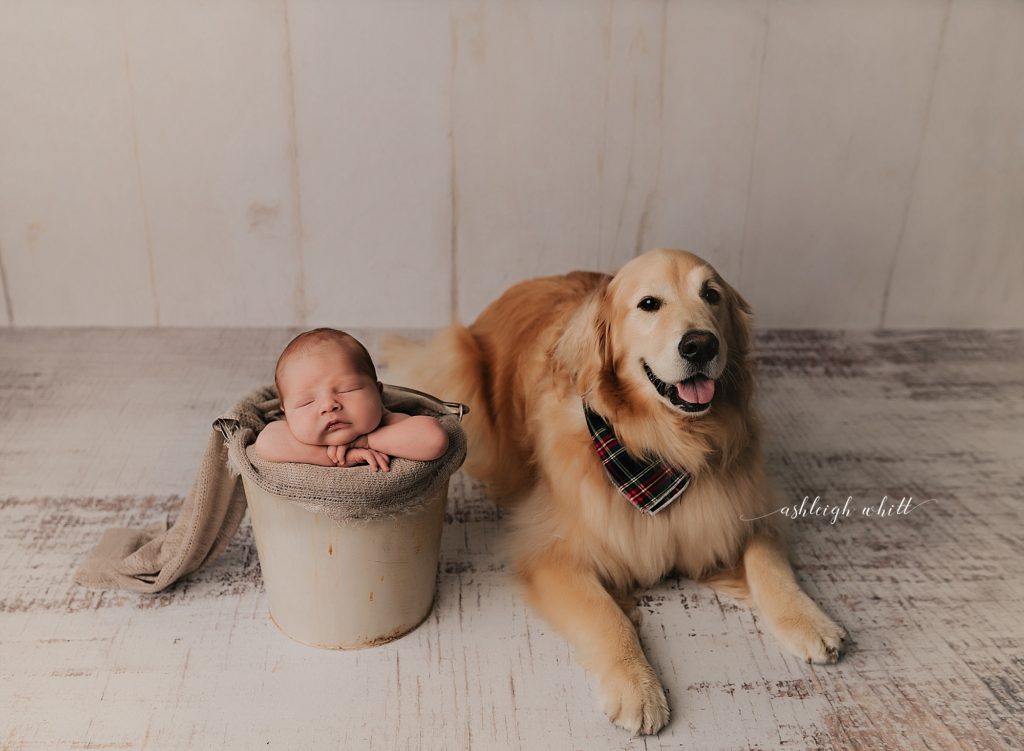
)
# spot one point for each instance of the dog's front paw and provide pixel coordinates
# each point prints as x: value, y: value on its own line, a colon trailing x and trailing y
x: 808, y: 632
x: 633, y: 698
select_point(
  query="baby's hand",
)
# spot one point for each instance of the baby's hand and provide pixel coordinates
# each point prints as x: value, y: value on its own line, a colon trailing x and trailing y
x: 337, y: 453
x: 376, y: 459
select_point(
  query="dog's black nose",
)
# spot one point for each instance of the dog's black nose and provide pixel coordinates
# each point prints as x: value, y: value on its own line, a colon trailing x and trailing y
x: 698, y: 346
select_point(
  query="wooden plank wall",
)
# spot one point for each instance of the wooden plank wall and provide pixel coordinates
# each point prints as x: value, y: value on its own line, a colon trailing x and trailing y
x: 846, y: 164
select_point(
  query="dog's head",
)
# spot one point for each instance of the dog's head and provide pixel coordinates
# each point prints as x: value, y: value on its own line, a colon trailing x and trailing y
x: 666, y: 338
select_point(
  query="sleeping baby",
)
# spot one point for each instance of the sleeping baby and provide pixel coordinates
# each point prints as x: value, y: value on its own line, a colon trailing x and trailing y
x: 334, y: 416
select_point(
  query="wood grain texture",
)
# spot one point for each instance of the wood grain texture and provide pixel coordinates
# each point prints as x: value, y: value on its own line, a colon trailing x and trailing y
x: 454, y: 148
x: 103, y: 427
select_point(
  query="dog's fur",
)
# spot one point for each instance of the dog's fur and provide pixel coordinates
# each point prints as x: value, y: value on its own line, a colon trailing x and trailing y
x: 578, y: 548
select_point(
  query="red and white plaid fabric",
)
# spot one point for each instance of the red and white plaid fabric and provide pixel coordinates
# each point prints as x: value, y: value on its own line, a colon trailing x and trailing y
x: 650, y: 486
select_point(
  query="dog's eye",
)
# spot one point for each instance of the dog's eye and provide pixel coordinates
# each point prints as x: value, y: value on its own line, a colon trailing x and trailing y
x: 649, y: 304
x: 710, y: 294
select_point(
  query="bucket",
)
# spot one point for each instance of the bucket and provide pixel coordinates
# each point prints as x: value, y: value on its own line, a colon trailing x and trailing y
x: 349, y: 556
x: 346, y: 584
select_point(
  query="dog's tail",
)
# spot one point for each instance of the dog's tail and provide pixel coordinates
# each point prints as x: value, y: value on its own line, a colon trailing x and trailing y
x: 449, y: 366
x: 453, y: 367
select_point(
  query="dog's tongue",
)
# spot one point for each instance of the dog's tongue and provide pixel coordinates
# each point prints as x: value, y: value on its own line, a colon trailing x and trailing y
x: 696, y: 390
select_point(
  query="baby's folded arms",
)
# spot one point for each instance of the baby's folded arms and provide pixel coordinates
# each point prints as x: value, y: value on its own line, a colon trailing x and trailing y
x: 418, y: 437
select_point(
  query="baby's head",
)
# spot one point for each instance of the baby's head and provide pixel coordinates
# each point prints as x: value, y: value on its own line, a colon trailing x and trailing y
x: 329, y: 390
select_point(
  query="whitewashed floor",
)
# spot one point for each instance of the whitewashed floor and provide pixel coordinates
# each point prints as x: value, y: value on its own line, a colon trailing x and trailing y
x: 104, y: 427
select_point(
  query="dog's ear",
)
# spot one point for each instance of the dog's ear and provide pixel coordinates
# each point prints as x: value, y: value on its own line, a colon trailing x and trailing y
x: 585, y: 349
x: 742, y: 317
x: 740, y: 383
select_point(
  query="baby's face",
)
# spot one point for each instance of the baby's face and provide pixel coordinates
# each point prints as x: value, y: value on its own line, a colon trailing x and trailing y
x: 327, y: 401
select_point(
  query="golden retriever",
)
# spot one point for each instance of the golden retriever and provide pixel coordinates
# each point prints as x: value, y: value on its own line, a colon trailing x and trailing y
x: 661, y: 351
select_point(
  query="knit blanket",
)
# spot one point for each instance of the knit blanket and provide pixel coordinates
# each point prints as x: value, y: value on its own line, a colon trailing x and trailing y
x: 152, y: 558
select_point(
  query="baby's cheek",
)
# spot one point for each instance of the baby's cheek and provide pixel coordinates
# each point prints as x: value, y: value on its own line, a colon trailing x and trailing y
x: 307, y: 433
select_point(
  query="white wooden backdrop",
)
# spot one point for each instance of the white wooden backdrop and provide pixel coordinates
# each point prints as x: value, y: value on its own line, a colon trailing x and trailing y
x: 854, y: 164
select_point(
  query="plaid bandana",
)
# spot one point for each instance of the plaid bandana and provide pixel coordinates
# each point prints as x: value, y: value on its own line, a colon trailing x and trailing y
x: 650, y: 486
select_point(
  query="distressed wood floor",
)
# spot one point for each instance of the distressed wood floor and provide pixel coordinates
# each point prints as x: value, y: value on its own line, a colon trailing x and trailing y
x: 103, y: 427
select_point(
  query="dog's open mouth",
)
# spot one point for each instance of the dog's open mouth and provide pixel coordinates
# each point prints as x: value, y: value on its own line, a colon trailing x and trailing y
x: 692, y: 395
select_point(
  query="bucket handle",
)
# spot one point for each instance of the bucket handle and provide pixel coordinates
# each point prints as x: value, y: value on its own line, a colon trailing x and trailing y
x: 453, y: 408
x: 227, y: 426
x: 457, y: 408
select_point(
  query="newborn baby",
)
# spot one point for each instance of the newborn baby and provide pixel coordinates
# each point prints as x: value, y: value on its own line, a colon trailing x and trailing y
x: 334, y: 415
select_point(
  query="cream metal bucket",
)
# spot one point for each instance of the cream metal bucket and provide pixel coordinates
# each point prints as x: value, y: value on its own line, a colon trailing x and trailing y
x: 346, y: 585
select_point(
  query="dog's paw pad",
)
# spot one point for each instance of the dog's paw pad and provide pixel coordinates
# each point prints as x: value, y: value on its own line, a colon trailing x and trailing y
x: 635, y: 702
x: 810, y: 634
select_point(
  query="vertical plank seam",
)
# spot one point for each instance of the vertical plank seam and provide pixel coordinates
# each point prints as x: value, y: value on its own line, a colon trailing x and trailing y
x: 453, y: 278
x: 753, y: 148
x: 645, y: 216
x: 887, y: 290
x: 299, y: 293
x: 7, y: 293
x: 147, y: 233
x: 603, y: 154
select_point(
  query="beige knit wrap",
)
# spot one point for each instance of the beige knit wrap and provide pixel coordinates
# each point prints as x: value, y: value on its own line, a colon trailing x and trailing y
x: 150, y: 559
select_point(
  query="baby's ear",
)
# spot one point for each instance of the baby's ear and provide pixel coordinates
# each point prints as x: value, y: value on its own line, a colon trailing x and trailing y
x: 380, y: 388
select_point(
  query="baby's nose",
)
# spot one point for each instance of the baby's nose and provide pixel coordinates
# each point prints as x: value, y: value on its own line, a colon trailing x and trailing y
x: 332, y: 405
